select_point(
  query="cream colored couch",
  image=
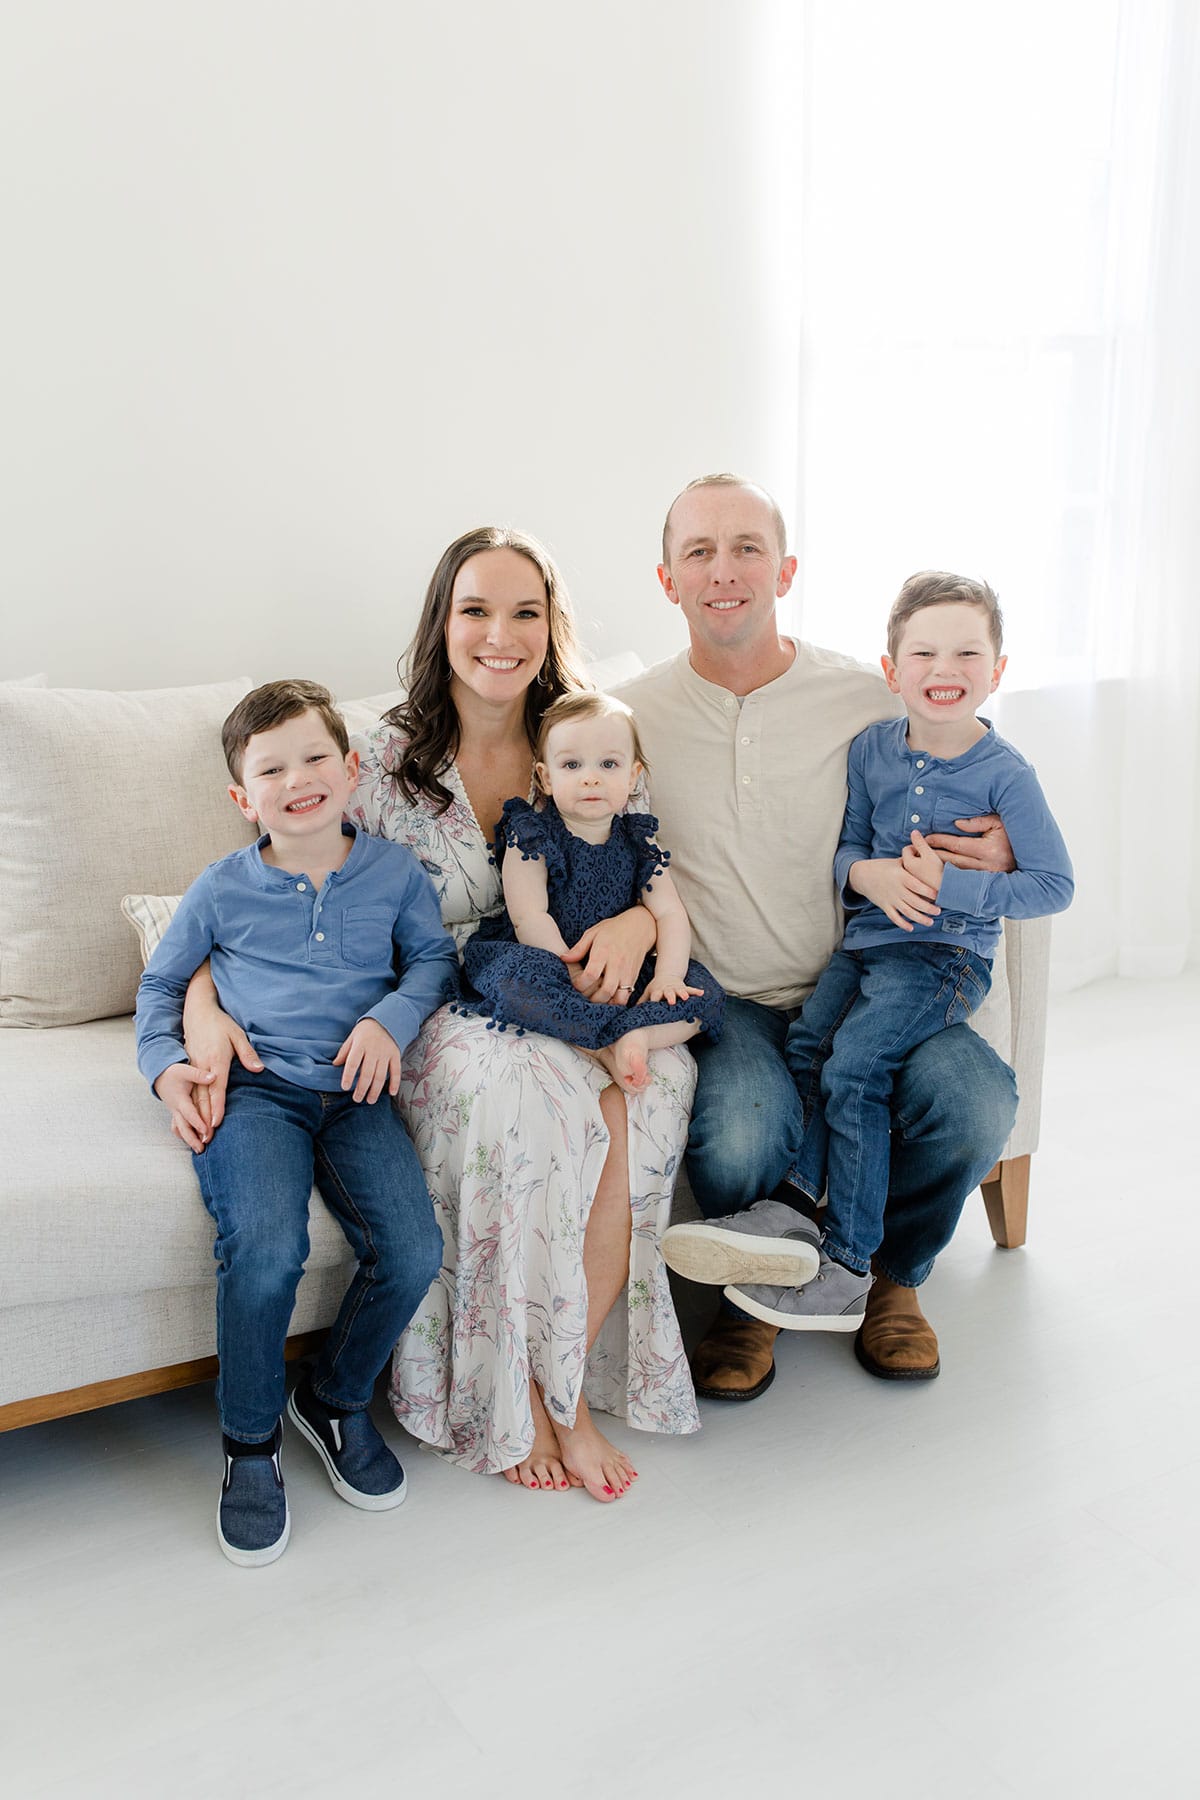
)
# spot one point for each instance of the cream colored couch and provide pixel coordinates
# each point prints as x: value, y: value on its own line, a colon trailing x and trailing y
x: 107, y: 1274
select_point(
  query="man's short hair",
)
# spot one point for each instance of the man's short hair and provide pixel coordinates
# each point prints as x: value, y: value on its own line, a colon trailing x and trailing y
x: 727, y: 480
x: 271, y: 705
x: 937, y: 587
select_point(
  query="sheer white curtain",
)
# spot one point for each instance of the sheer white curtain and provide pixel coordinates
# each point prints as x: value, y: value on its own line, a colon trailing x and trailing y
x: 1000, y: 374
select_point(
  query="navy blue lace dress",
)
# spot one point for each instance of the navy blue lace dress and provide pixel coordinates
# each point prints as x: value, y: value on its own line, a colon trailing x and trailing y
x: 519, y: 985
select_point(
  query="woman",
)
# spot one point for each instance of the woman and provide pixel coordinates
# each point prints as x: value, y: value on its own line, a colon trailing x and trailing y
x: 551, y: 1187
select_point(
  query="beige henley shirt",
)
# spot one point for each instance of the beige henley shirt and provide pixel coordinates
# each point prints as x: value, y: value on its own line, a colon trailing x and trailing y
x: 749, y: 797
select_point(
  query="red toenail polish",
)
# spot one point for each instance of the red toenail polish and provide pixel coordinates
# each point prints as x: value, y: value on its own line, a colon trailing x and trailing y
x: 563, y: 1484
x: 608, y: 1490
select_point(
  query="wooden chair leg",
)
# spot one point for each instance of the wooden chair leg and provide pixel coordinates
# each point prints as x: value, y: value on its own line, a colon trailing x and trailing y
x: 1006, y: 1196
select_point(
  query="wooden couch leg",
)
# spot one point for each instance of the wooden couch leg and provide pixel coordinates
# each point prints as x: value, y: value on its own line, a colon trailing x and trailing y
x: 1006, y: 1196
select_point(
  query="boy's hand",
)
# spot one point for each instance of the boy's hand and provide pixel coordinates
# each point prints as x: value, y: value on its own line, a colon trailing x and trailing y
x: 663, y: 987
x: 896, y: 892
x: 988, y: 849
x: 174, y: 1088
x: 920, y: 859
x: 371, y: 1055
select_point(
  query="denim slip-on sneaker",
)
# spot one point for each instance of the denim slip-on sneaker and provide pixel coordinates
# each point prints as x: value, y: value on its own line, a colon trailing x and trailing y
x: 768, y: 1242
x: 253, y: 1524
x: 836, y: 1300
x: 357, y: 1461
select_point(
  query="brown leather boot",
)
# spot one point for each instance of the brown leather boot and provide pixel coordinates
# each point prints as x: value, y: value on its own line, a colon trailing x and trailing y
x: 734, y: 1361
x: 895, y: 1340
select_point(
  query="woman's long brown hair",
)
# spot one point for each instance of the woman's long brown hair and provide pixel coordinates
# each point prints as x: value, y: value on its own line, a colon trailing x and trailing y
x: 427, y: 717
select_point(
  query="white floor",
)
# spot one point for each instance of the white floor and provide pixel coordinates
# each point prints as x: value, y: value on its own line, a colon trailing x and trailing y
x: 987, y: 1586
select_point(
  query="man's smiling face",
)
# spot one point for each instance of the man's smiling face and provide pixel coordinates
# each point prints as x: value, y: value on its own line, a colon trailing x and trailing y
x: 725, y: 566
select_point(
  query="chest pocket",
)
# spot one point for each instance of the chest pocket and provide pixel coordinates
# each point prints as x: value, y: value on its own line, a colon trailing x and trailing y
x: 947, y: 807
x: 367, y: 937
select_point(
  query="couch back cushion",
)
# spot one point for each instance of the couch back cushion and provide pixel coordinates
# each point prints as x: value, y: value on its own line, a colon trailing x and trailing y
x: 100, y: 794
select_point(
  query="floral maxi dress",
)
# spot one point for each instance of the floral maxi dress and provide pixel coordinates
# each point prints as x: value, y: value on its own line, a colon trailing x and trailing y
x: 512, y: 1141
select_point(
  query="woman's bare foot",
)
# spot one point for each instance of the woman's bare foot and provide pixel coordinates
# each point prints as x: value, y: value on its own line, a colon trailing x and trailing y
x: 590, y: 1460
x: 542, y: 1468
x: 626, y: 1061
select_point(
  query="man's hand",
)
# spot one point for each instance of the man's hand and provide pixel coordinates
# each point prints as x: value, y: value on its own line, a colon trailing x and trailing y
x: 988, y: 849
x: 179, y: 1088
x: 903, y: 897
x: 372, y: 1062
x: 917, y: 859
x: 611, y: 955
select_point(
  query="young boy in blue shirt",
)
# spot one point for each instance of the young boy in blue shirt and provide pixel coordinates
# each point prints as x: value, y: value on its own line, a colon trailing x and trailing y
x: 327, y: 947
x: 916, y: 954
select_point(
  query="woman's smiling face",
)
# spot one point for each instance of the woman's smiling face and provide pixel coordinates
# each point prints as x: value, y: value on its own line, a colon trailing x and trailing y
x: 498, y: 629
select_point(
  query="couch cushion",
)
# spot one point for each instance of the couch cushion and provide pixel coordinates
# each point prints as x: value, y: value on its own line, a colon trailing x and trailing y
x: 96, y: 1196
x: 100, y: 794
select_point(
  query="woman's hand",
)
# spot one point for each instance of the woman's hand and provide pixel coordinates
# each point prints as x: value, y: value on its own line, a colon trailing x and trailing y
x: 177, y: 1088
x: 212, y: 1040
x: 610, y: 956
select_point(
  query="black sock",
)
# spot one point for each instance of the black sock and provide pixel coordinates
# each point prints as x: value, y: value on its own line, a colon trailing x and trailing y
x: 234, y: 1447
x: 796, y: 1198
x: 313, y: 1401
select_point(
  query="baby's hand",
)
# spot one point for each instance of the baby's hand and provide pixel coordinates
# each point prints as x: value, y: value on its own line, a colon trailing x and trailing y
x: 664, y: 987
x: 176, y: 1087
x: 373, y: 1055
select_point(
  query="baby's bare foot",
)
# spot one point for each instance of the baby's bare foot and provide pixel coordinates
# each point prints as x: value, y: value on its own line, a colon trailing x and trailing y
x: 591, y: 1461
x: 626, y: 1061
x: 542, y: 1468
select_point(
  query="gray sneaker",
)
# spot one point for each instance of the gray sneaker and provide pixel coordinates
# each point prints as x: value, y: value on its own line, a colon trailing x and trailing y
x: 836, y: 1300
x: 770, y: 1241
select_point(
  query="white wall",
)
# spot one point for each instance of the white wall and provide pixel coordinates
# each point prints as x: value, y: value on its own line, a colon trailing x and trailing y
x: 296, y: 292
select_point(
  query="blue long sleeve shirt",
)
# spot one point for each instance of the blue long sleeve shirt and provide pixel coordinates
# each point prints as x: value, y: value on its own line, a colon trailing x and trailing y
x: 892, y: 791
x: 297, y: 968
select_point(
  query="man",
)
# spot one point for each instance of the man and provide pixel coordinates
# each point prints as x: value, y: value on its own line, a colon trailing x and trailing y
x: 746, y: 735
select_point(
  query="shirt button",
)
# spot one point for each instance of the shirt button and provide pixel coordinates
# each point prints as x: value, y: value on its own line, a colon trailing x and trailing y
x: 320, y: 937
x: 745, y: 740
x: 745, y: 781
x: 728, y: 705
x: 916, y: 818
x: 921, y: 765
x: 919, y: 790
x: 301, y: 887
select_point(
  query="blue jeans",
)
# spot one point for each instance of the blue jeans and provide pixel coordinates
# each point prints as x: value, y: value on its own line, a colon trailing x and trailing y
x: 951, y: 1111
x: 256, y: 1176
x: 870, y: 1008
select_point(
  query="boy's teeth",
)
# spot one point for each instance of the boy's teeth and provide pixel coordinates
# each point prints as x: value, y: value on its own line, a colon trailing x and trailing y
x: 305, y: 805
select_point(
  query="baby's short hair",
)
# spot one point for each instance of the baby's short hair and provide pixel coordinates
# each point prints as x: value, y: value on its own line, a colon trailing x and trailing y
x: 273, y: 704
x: 590, y: 704
x: 937, y: 587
